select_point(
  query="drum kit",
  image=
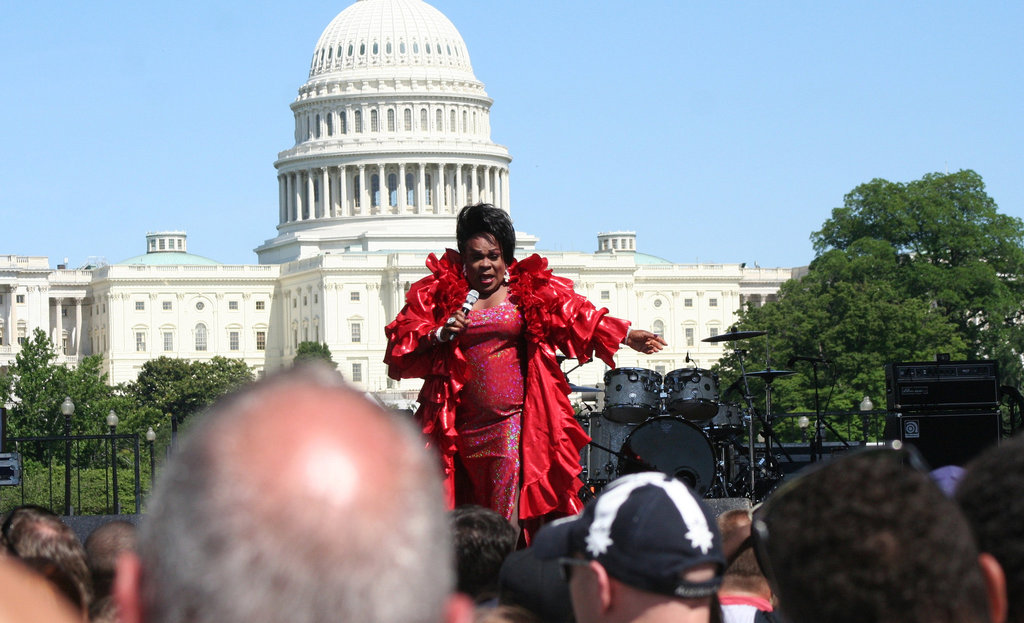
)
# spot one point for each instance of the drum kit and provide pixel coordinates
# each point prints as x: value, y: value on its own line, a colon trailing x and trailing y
x: 681, y: 425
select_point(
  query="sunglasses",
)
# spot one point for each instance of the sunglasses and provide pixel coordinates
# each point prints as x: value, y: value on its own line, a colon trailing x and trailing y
x: 894, y: 451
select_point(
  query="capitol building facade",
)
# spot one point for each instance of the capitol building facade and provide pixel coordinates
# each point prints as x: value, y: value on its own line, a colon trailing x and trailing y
x: 392, y: 138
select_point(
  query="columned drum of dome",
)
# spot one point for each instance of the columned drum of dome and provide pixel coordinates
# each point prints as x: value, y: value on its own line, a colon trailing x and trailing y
x: 392, y: 137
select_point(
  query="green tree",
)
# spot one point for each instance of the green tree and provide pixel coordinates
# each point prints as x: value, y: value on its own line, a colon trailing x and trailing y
x: 35, y: 386
x: 903, y: 272
x: 309, y: 351
x: 953, y: 249
x: 179, y: 388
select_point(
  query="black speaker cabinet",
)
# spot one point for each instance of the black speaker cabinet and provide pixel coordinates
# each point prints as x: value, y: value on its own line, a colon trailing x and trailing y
x: 948, y: 438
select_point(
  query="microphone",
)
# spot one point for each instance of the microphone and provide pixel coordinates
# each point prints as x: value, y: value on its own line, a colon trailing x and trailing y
x: 471, y: 298
x: 467, y: 307
x: 796, y: 358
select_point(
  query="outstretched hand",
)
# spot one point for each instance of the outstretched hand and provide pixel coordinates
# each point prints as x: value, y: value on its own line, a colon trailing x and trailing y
x: 645, y: 341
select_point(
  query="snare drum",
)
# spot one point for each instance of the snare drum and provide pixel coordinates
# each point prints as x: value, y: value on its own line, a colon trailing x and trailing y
x: 631, y: 394
x: 692, y: 393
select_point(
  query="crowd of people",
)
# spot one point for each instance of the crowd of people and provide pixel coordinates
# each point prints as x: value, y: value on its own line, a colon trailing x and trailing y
x: 300, y: 500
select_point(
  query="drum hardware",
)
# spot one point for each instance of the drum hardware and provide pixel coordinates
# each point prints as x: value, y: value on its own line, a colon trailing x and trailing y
x: 582, y: 389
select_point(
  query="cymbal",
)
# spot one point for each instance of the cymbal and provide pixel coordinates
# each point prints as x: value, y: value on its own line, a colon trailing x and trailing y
x: 770, y: 375
x: 735, y: 335
x: 582, y: 388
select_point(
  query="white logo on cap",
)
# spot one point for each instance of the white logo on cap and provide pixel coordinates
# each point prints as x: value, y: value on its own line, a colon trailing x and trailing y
x: 608, y: 503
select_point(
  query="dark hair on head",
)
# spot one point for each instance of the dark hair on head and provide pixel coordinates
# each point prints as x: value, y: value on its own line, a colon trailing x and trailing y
x: 31, y: 531
x: 869, y: 539
x: 991, y: 495
x: 482, y: 539
x: 484, y: 218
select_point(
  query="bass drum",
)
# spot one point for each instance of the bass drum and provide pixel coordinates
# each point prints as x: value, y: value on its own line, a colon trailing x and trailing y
x: 631, y: 394
x: 692, y: 393
x: 673, y: 446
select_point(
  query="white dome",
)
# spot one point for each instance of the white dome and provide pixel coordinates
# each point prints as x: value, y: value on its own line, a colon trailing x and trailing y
x: 392, y: 138
x: 385, y: 36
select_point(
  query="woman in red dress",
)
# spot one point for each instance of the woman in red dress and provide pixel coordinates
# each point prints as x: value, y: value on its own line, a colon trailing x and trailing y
x: 494, y: 400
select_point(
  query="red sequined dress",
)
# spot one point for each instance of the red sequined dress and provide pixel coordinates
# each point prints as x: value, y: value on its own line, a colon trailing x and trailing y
x: 553, y: 317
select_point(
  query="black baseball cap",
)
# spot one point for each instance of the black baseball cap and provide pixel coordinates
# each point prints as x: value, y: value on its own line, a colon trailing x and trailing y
x: 647, y: 530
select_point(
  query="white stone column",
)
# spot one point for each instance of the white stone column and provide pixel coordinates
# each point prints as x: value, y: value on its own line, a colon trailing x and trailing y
x: 289, y: 197
x: 78, y: 327
x: 438, y: 198
x: 57, y: 326
x: 363, y: 190
x: 421, y: 195
x: 325, y: 193
x: 486, y: 194
x: 460, y: 192
x: 298, y: 196
x: 343, y: 190
x: 282, y: 199
x: 311, y: 194
x: 401, y: 188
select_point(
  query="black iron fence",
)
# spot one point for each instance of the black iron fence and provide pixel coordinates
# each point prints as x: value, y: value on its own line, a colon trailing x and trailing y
x: 80, y: 474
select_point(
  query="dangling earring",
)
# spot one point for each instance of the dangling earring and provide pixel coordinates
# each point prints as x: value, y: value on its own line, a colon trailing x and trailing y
x: 463, y: 270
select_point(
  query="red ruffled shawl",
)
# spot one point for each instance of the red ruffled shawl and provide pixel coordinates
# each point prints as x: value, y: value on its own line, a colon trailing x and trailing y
x: 555, y: 317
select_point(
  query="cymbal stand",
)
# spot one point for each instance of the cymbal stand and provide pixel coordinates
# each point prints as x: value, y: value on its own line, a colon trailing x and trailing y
x: 748, y: 398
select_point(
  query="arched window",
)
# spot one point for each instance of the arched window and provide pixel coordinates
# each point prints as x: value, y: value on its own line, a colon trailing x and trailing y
x: 374, y: 125
x: 408, y: 119
x: 359, y: 122
x: 658, y: 328
x: 451, y: 123
x: 343, y: 120
x: 356, y: 190
x: 391, y: 120
x: 375, y: 190
x: 200, y: 337
x: 316, y: 127
x: 465, y: 123
x: 401, y: 47
x: 330, y: 124
x: 392, y: 189
x: 410, y: 189
x: 429, y: 185
x: 438, y: 120
x: 423, y: 120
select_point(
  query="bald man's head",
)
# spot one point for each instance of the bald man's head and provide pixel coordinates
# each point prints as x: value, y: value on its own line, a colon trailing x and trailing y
x: 297, y: 499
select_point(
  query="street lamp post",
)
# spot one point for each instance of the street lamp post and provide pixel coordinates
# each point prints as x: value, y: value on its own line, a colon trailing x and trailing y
x: 112, y: 423
x: 803, y: 422
x: 150, y: 441
x: 866, y: 406
x: 67, y: 408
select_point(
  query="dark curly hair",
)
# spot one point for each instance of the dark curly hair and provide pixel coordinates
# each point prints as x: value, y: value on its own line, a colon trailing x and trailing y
x: 484, y: 218
x: 869, y: 539
x: 991, y: 495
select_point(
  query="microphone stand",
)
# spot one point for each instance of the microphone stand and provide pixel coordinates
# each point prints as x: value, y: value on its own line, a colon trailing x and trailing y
x: 817, y: 441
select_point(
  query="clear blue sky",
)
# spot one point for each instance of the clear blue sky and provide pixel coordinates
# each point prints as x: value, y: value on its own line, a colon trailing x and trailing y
x: 718, y: 131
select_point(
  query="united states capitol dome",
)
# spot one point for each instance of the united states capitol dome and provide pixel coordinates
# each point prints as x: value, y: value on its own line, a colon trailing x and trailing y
x: 392, y: 137
x: 385, y: 37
